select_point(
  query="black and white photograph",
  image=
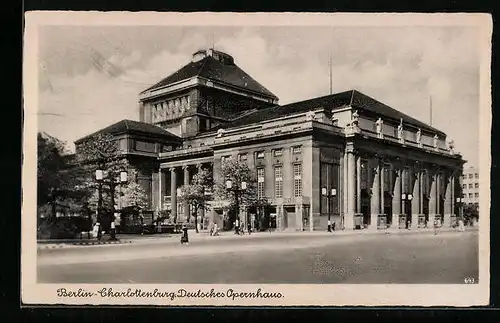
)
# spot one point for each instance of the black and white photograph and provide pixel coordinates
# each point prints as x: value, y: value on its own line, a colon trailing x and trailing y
x: 255, y: 159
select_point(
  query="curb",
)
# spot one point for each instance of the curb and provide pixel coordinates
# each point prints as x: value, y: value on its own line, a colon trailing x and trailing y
x: 86, y: 243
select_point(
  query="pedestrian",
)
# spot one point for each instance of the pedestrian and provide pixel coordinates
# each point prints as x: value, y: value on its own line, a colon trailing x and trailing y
x: 216, y: 230
x: 333, y: 226
x: 184, y: 235
x: 436, y: 226
x: 249, y: 229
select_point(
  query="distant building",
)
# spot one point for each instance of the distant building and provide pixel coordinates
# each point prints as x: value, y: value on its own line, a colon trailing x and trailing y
x: 470, y: 185
x: 379, y: 167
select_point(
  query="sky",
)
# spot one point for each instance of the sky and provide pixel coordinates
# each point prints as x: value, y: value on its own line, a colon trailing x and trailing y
x: 402, y: 67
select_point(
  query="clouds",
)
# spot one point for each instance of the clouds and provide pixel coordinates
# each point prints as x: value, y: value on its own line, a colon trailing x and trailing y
x: 400, y: 66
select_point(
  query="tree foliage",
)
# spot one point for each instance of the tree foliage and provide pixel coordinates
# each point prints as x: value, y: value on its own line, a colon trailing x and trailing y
x: 238, y: 172
x: 101, y: 151
x: 52, y: 166
x: 195, y: 193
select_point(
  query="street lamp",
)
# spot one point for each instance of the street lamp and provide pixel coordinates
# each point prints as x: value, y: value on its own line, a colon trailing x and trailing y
x: 460, y: 201
x: 110, y: 179
x: 236, y: 190
x: 406, y: 197
x: 333, y: 193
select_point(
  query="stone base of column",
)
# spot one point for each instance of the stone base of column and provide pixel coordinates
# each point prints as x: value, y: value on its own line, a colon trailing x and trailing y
x: 373, y: 222
x: 395, y: 223
x: 414, y: 221
x: 349, y: 222
x: 447, y: 221
x: 430, y: 223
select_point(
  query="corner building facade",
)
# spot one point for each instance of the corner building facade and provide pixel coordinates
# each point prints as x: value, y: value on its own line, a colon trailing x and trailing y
x: 344, y: 158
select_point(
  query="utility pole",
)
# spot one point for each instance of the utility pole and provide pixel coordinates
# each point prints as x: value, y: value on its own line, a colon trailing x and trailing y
x: 330, y: 70
x: 430, y: 110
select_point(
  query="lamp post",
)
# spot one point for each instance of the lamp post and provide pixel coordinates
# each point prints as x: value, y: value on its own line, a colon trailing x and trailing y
x: 113, y: 182
x: 325, y: 193
x: 236, y: 190
x: 460, y: 201
x: 406, y: 197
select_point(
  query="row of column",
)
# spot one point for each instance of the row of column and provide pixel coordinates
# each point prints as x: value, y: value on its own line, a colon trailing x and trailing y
x: 352, y: 193
x: 173, y: 190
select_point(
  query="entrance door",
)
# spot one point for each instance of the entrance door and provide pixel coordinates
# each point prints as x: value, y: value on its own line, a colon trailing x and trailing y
x: 388, y: 207
x: 290, y: 217
x: 365, y: 207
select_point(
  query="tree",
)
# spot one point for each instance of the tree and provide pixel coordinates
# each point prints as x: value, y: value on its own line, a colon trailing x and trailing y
x: 53, y: 177
x: 194, y: 194
x: 471, y: 212
x: 237, y: 172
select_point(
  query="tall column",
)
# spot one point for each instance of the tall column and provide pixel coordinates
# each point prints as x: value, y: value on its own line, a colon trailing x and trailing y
x: 416, y: 198
x: 186, y: 182
x: 358, y: 184
x: 173, y: 193
x: 375, y: 200
x: 396, y: 201
x: 382, y: 197
x: 160, y: 189
x: 433, y: 200
x: 351, y: 197
x: 201, y: 210
x: 438, y: 193
x: 345, y: 191
x: 448, y: 202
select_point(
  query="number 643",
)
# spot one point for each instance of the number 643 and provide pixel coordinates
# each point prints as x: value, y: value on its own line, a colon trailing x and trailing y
x: 469, y: 280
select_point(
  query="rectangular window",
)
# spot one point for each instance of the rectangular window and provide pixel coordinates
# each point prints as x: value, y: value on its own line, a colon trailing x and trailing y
x: 242, y: 157
x: 224, y: 158
x: 297, y: 150
x: 260, y: 154
x: 464, y: 186
x: 464, y: 195
x: 260, y: 182
x: 476, y: 185
x: 278, y: 182
x: 477, y: 175
x: 476, y: 194
x: 470, y: 195
x: 145, y: 146
x: 278, y: 152
x: 470, y: 185
x: 470, y: 176
x: 464, y: 176
x: 297, y: 180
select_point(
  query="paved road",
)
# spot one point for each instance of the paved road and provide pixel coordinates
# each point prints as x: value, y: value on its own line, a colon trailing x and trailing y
x: 413, y: 258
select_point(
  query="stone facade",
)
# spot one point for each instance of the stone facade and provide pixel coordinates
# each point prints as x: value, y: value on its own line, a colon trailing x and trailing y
x: 344, y: 159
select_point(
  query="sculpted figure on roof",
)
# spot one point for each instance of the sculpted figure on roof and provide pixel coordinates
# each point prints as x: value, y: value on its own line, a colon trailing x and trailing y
x: 220, y: 133
x: 379, y: 124
x: 419, y: 137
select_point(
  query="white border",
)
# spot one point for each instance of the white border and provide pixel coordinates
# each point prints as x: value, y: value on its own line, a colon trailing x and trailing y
x: 320, y: 295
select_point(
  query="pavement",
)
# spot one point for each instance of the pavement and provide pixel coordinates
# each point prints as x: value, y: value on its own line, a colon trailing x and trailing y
x: 225, y: 235
x: 307, y: 257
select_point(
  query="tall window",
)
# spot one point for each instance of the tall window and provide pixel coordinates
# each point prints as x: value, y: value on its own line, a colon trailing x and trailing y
x: 476, y: 185
x: 470, y: 185
x: 476, y: 194
x: 470, y: 176
x: 260, y: 182
x: 278, y: 181
x: 297, y: 180
x: 477, y: 175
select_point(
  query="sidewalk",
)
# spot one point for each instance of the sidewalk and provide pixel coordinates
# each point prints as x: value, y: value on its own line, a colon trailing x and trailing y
x: 252, y: 244
x: 230, y: 235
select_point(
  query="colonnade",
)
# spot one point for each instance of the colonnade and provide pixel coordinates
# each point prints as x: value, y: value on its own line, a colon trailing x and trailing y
x: 406, y: 188
x: 186, y: 171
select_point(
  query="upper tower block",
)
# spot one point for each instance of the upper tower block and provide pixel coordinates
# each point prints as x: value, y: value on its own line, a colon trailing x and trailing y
x: 208, y: 91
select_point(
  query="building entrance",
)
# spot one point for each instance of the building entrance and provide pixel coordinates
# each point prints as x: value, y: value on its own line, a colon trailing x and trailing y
x: 289, y: 218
